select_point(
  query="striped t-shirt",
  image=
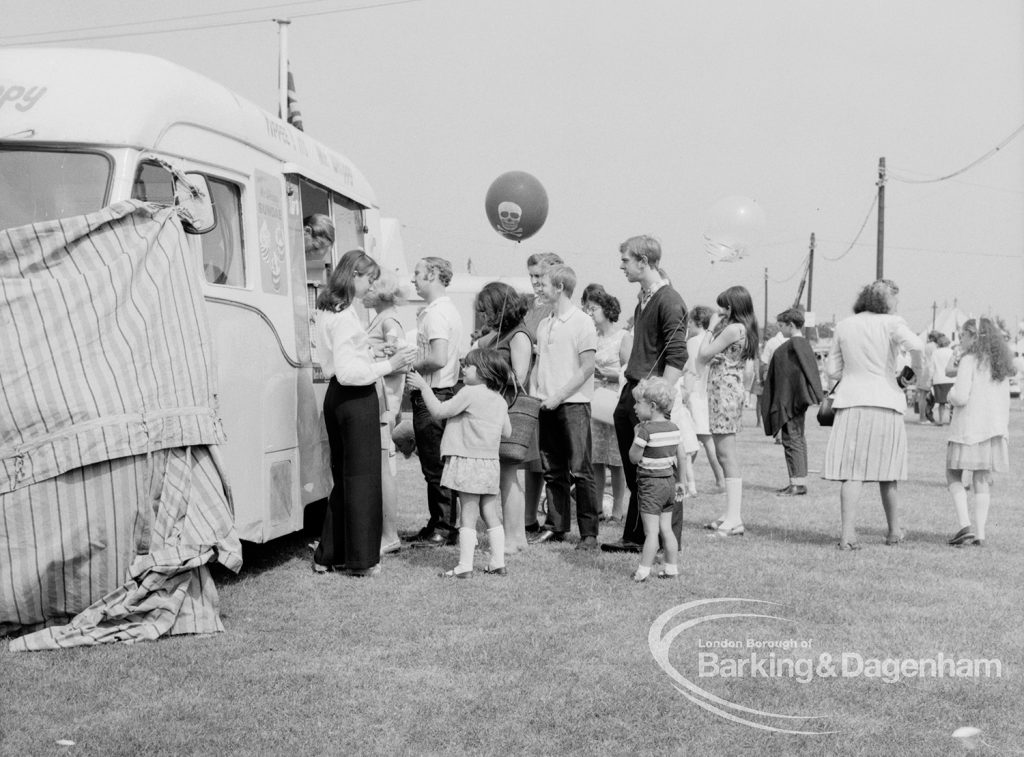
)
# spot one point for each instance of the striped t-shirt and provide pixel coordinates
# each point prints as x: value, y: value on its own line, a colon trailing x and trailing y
x: 658, y: 440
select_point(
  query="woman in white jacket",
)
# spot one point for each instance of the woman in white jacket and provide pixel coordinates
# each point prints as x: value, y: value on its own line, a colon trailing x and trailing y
x: 868, y: 440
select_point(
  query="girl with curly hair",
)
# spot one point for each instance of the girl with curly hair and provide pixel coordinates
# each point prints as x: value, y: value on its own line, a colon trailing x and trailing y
x: 979, y: 430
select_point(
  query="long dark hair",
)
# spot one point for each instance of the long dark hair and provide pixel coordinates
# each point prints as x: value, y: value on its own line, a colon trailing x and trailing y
x: 340, y: 289
x: 741, y: 310
x: 494, y: 370
x: 502, y: 307
x: 989, y: 347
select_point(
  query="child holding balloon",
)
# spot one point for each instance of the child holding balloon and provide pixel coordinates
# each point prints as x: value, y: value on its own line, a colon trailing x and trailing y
x: 728, y: 347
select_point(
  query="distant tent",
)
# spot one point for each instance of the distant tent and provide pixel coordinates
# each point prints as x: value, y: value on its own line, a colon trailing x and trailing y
x: 947, y: 322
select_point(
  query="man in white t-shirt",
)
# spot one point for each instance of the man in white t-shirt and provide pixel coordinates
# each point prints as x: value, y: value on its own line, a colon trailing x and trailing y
x: 438, y: 335
x: 564, y: 382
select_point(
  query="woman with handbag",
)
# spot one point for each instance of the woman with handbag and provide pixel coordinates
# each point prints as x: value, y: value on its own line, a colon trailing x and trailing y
x: 502, y: 310
x: 613, y: 347
x: 868, y: 441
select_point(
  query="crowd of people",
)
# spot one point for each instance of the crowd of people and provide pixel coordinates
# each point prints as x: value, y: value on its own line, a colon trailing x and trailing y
x: 629, y: 404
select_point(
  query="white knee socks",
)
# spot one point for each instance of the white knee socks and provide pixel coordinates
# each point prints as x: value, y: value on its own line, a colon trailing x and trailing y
x: 467, y: 544
x: 959, y: 494
x: 496, y: 536
x: 981, y: 512
x: 733, y: 502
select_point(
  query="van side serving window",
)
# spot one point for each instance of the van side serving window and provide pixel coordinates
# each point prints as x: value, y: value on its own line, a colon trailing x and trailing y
x: 223, y: 261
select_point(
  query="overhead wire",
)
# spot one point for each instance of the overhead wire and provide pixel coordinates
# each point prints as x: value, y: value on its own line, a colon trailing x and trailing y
x: 801, y: 267
x: 860, y: 231
x: 968, y: 167
x: 200, y: 27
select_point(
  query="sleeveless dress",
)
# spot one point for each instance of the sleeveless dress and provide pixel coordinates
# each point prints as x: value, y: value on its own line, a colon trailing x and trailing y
x: 604, y: 445
x: 504, y: 346
x: 726, y: 393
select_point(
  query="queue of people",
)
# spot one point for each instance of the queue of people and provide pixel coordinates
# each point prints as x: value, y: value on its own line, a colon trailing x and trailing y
x: 556, y: 353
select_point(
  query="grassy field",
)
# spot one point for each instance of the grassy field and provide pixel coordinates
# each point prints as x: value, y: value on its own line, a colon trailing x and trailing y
x: 556, y: 659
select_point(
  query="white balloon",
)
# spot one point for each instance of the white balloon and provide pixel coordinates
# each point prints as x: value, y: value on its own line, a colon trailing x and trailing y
x: 734, y: 226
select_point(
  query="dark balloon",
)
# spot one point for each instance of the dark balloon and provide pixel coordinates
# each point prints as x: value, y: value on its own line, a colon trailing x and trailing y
x: 516, y: 205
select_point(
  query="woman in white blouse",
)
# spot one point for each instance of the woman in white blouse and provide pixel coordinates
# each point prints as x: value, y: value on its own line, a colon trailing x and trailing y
x: 868, y: 441
x: 352, y: 527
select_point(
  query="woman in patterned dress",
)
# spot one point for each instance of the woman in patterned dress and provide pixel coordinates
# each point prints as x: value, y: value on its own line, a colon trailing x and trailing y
x: 726, y: 350
x: 613, y: 346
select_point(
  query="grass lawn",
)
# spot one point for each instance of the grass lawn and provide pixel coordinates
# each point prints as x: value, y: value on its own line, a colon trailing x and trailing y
x: 555, y: 659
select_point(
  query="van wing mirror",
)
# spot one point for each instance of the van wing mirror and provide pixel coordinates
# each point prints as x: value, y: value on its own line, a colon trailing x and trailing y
x: 193, y: 202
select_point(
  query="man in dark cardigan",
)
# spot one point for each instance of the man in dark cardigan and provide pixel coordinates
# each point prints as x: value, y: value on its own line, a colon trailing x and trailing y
x: 659, y: 349
x: 791, y: 385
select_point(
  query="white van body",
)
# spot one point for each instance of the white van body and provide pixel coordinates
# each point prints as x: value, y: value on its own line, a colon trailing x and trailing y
x: 80, y: 129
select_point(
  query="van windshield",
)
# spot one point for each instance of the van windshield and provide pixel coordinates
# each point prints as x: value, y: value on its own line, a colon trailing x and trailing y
x: 41, y: 185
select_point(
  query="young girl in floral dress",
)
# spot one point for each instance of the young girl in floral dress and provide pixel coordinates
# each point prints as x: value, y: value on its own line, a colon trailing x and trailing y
x: 726, y: 350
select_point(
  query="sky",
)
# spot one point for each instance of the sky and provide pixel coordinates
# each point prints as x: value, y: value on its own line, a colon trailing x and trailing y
x: 637, y: 117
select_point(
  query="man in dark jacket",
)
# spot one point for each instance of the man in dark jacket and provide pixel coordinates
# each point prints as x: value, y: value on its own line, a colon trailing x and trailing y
x: 791, y: 385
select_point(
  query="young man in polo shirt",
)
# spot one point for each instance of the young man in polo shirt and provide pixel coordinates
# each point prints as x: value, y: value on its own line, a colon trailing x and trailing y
x: 659, y: 349
x: 438, y: 335
x: 564, y: 382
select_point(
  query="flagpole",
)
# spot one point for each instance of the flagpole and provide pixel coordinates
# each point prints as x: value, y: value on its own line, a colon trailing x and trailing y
x: 282, y: 66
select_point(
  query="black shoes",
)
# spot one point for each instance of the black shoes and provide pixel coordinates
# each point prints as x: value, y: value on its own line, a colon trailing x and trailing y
x: 429, y: 537
x: 544, y: 536
x: 588, y: 544
x: 793, y: 490
x: 962, y: 537
x: 622, y: 546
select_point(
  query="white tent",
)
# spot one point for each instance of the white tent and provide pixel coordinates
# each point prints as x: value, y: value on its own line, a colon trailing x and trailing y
x: 948, y: 322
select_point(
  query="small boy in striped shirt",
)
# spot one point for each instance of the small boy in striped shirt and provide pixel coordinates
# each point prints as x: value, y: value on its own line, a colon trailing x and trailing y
x: 657, y: 454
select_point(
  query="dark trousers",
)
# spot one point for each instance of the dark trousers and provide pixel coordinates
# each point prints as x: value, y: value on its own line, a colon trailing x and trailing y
x: 795, y: 445
x: 565, y: 455
x: 428, y: 433
x: 625, y: 421
x: 353, y: 523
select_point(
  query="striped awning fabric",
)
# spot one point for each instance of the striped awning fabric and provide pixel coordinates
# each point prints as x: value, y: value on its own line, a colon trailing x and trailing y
x: 111, y: 498
x: 105, y: 350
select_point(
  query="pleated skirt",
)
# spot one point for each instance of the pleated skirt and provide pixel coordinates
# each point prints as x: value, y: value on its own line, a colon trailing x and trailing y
x: 867, y: 444
x: 992, y: 454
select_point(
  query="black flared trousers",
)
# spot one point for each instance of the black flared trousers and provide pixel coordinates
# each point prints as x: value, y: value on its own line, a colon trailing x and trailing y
x: 352, y: 526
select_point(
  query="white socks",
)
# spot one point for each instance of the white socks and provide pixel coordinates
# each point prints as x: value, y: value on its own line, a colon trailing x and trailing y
x: 467, y: 545
x: 959, y: 494
x: 733, y: 502
x: 981, y: 512
x: 496, y: 537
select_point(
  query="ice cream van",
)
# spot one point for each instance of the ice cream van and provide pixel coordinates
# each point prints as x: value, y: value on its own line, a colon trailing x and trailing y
x: 80, y: 129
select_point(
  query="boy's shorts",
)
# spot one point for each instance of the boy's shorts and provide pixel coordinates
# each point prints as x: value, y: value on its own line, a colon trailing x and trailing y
x: 656, y: 494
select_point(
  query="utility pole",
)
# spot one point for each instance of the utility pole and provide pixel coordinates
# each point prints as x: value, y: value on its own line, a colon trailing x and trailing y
x: 765, y: 321
x: 881, y: 220
x: 282, y: 67
x: 810, y: 275
x: 935, y: 306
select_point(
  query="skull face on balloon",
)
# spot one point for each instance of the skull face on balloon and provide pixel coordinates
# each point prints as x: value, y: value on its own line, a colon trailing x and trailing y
x: 516, y: 205
x: 509, y: 217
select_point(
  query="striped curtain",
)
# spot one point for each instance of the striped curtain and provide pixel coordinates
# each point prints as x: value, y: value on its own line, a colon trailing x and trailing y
x: 111, y: 500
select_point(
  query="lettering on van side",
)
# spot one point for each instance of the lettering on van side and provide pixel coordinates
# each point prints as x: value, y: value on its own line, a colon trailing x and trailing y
x: 23, y: 98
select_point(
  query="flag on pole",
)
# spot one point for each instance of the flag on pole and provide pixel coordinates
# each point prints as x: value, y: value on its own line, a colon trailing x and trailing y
x: 294, y: 114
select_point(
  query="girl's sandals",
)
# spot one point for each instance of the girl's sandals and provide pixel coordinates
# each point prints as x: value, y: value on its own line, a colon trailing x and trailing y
x: 848, y: 546
x: 453, y: 574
